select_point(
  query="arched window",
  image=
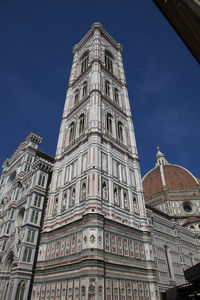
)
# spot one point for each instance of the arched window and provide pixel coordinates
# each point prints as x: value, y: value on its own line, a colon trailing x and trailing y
x: 20, y: 291
x: 109, y: 123
x: 72, y: 132
x: 84, y: 62
x: 76, y: 97
x: 84, y: 92
x: 109, y: 61
x: 107, y: 88
x: 120, y: 131
x: 81, y: 123
x: 116, y: 96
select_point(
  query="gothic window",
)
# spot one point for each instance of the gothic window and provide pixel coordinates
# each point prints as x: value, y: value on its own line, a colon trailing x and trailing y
x: 81, y: 123
x: 41, y: 180
x: 120, y: 131
x: 27, y: 254
x: 37, y: 201
x: 109, y: 123
x: 105, y: 190
x: 109, y: 61
x: 3, y: 246
x: 84, y: 90
x: 107, y: 88
x: 116, y: 195
x: 8, y: 228
x: 29, y: 158
x: 26, y: 168
x: 11, y: 213
x: 34, y: 216
x: 72, y: 132
x: 20, y: 216
x: 83, y: 190
x: 31, y: 236
x: 84, y: 62
x: 76, y: 97
x: 20, y: 291
x: 116, y: 96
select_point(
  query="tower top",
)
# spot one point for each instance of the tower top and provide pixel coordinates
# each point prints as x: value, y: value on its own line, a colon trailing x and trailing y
x: 107, y: 36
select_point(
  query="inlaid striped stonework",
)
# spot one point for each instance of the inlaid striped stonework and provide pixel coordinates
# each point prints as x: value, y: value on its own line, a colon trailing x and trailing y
x: 95, y: 240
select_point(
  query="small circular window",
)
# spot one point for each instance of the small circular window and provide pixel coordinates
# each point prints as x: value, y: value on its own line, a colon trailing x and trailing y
x: 187, y: 207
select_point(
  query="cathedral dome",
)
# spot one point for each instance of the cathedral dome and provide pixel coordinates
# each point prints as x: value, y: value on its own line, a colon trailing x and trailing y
x: 175, y: 178
x: 171, y: 181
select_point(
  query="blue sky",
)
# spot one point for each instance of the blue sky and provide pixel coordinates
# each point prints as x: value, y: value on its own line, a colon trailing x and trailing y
x: 35, y: 61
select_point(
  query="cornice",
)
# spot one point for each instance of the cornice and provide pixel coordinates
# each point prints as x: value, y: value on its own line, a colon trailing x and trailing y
x: 103, y: 32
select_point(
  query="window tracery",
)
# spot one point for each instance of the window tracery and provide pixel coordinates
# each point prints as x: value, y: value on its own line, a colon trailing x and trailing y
x: 109, y: 61
x: 116, y: 95
x: 109, y: 123
x: 72, y: 132
x: 84, y: 62
x: 84, y: 89
x: 81, y: 123
x: 120, y: 131
x: 107, y: 88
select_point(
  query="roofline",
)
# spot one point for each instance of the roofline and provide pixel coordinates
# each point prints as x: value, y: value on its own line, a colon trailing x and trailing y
x: 195, y: 178
x: 98, y: 26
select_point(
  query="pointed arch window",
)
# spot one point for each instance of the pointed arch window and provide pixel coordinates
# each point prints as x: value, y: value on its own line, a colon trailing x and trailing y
x: 109, y: 61
x: 81, y: 123
x: 27, y: 254
x: 72, y: 132
x: 84, y: 62
x: 84, y: 91
x: 20, y: 291
x: 76, y: 97
x: 120, y: 131
x: 116, y: 96
x: 107, y: 88
x: 109, y: 123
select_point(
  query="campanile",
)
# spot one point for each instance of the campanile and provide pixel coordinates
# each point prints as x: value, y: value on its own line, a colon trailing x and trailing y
x: 95, y: 241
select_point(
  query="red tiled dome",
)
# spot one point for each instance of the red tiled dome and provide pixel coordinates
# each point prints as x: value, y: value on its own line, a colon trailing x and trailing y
x: 176, y: 178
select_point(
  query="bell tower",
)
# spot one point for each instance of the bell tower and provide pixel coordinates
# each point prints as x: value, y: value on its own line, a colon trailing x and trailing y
x: 95, y: 242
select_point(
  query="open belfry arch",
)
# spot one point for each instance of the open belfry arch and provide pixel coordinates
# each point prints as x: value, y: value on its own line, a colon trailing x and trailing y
x: 95, y: 243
